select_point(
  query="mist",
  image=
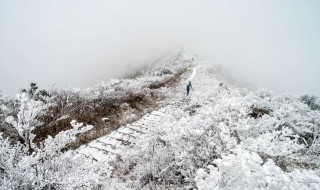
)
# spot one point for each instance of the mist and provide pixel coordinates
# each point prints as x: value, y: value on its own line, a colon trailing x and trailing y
x: 77, y: 43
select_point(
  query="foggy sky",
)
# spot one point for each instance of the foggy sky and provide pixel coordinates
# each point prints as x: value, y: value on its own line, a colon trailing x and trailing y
x: 76, y: 43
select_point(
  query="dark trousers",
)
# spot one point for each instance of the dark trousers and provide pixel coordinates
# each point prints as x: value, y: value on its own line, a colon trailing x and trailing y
x: 188, y: 92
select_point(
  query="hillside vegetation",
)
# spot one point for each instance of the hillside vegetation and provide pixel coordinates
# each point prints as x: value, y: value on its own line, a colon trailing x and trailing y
x: 220, y: 137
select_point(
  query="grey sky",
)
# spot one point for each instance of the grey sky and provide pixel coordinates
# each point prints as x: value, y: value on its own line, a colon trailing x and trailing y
x: 272, y: 44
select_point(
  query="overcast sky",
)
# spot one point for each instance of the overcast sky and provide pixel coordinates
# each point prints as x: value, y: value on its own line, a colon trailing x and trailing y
x: 75, y: 43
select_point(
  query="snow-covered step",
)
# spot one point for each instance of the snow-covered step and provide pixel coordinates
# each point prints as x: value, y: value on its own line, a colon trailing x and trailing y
x: 128, y: 131
x: 101, y: 154
x: 118, y: 135
x: 122, y: 141
x: 108, y: 145
x: 145, y: 121
x: 100, y: 145
x: 106, y: 149
x: 158, y: 113
x: 140, y: 126
x: 154, y: 114
x: 82, y: 154
x: 93, y: 152
x: 136, y: 129
x: 130, y: 136
x: 151, y: 120
x: 110, y: 141
x: 162, y: 109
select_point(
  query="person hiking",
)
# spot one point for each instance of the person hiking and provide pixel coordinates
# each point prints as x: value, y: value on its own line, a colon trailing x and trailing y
x: 189, y: 86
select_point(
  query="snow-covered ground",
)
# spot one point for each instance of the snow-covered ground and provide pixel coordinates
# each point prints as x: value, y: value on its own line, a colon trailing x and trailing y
x: 221, y: 136
x: 209, y: 141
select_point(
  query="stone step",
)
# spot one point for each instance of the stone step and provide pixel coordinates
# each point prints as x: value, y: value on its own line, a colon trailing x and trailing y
x: 136, y: 129
x: 109, y: 140
x: 142, y: 125
x: 113, y: 147
x: 128, y: 130
x: 102, y: 148
x: 119, y: 135
x: 95, y: 153
x: 130, y: 136
x: 122, y: 141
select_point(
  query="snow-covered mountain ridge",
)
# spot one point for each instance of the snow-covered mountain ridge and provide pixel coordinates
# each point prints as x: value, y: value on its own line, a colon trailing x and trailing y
x: 220, y: 137
x: 225, y: 137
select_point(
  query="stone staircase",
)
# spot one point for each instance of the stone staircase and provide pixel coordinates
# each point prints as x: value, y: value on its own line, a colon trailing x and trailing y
x: 109, y: 146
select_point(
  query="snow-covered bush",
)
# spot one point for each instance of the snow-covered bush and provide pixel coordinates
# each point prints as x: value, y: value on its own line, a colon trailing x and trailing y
x: 171, y: 156
x: 48, y: 167
x: 315, y: 145
x: 312, y: 101
x: 246, y: 170
x: 27, y: 118
x: 8, y: 107
x: 290, y: 120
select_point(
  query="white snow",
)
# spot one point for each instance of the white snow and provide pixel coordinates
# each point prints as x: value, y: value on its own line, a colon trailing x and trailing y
x: 220, y: 125
x: 204, y: 141
x: 105, y: 119
x: 194, y: 72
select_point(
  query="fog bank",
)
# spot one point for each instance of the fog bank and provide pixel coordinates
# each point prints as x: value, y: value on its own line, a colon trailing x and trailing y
x: 76, y: 43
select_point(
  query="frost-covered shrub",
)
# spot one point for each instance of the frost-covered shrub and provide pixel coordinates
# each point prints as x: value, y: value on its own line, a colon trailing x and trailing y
x: 8, y: 107
x: 171, y: 158
x: 275, y: 143
x: 260, y: 100
x: 28, y: 165
x: 153, y: 166
x: 246, y: 170
x: 312, y: 101
x: 315, y: 145
x: 288, y: 113
x: 26, y: 120
x: 34, y: 93
x: 48, y: 167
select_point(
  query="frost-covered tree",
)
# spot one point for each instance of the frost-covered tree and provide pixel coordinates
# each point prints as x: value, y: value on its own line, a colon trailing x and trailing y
x: 27, y: 118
